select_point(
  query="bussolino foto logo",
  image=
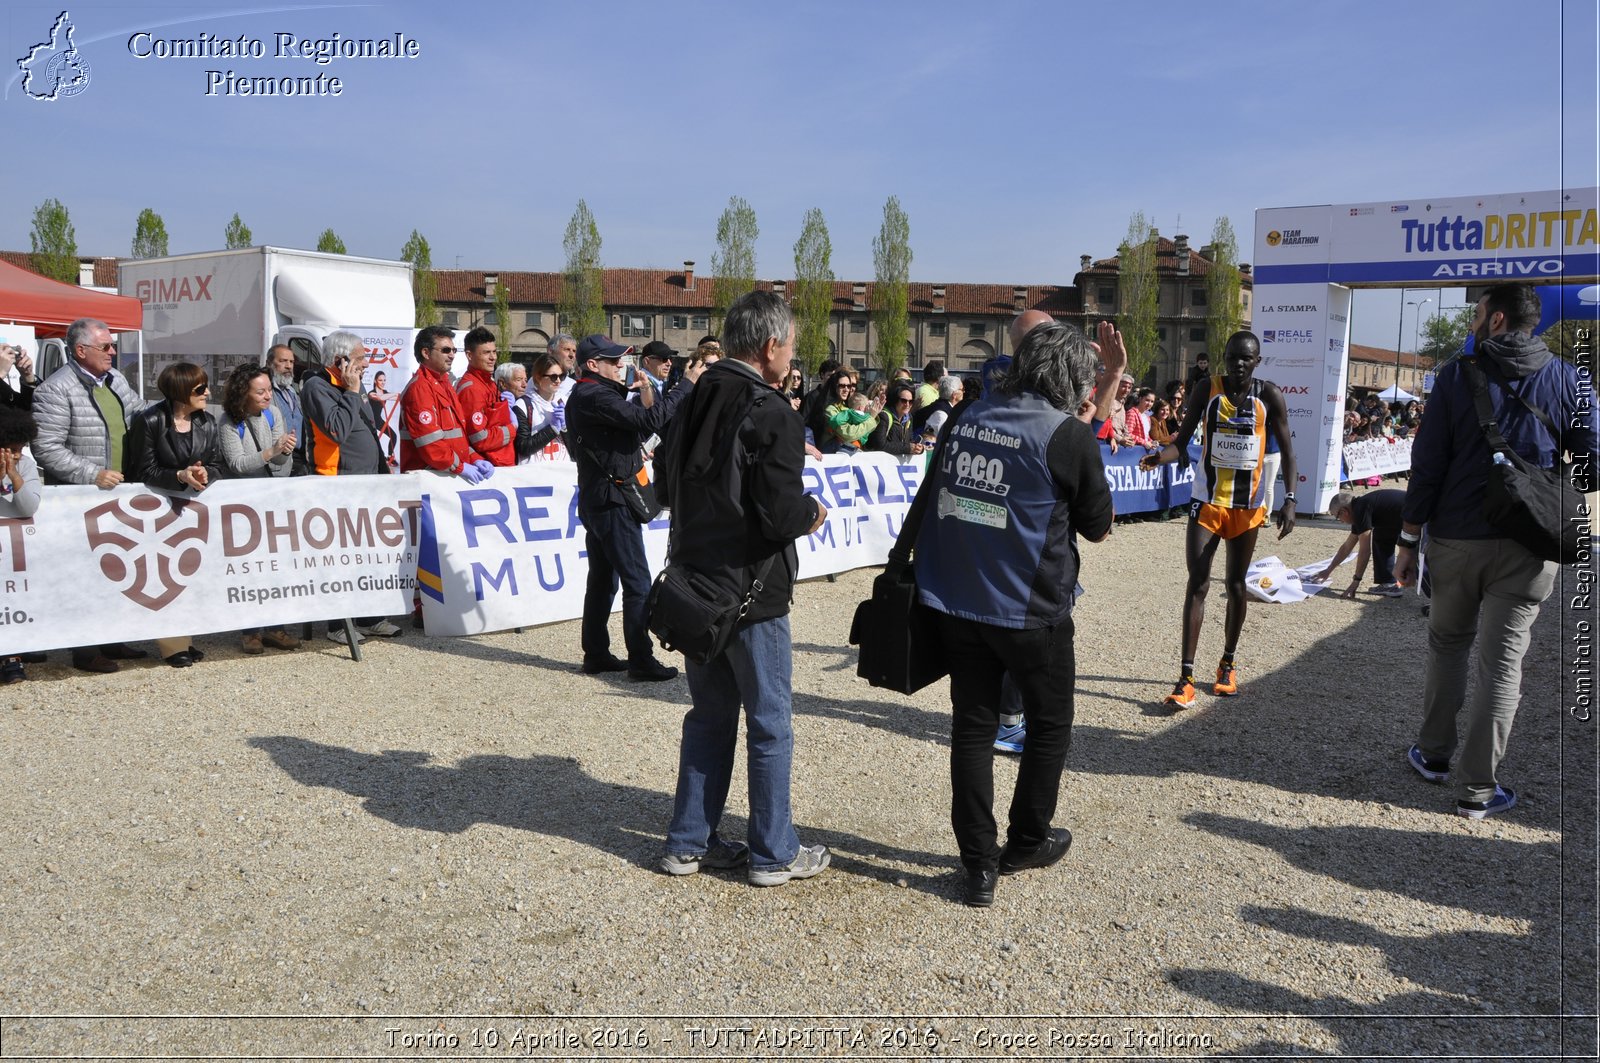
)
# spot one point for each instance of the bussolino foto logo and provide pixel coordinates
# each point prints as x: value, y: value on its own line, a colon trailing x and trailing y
x: 54, y: 69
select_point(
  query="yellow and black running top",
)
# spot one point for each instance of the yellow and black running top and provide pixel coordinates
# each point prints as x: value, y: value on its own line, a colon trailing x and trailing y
x: 1235, y: 444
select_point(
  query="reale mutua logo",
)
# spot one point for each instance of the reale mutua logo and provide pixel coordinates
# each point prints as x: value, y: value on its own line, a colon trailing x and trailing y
x: 55, y: 69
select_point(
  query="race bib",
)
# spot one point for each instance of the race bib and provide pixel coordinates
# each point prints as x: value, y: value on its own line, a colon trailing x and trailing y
x: 1234, y: 446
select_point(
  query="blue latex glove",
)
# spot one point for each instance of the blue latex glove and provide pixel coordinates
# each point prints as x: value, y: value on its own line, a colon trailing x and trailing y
x: 471, y: 473
x: 511, y: 400
x: 485, y: 468
x: 558, y: 417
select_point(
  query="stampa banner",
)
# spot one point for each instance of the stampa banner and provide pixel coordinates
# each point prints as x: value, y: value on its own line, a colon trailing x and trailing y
x: 511, y: 551
x: 96, y: 566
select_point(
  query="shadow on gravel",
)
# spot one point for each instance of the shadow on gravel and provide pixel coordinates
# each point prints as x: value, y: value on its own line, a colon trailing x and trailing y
x: 404, y: 788
x: 675, y: 691
x: 896, y: 717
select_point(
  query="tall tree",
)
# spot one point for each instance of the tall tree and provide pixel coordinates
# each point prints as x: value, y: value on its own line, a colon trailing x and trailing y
x: 329, y: 241
x: 813, y: 290
x: 891, y: 290
x: 55, y: 243
x: 1445, y: 333
x: 237, y: 234
x: 502, y: 319
x: 1572, y: 340
x: 149, y: 235
x: 1223, y: 312
x: 1140, y: 291
x: 424, y: 285
x: 733, y: 263
x: 582, y: 308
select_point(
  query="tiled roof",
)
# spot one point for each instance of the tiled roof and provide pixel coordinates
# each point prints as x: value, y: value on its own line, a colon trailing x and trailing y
x: 665, y: 289
x: 1166, y: 262
x: 1360, y: 352
x: 105, y: 269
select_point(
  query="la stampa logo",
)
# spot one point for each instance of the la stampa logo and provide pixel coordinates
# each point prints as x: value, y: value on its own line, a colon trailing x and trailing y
x: 55, y: 69
x: 148, y: 546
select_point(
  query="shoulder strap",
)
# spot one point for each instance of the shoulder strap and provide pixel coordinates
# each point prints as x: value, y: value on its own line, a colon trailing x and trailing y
x: 1485, y: 410
x: 906, y: 541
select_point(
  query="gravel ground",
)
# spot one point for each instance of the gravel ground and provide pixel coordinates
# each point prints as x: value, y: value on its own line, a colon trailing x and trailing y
x: 456, y: 839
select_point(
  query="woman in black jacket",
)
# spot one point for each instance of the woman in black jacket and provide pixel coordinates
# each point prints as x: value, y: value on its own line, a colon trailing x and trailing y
x: 173, y: 446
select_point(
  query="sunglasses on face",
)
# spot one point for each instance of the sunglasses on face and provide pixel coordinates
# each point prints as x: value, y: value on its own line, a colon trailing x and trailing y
x: 200, y: 389
x: 555, y: 376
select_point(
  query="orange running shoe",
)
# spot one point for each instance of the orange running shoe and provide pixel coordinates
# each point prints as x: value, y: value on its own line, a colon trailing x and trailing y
x: 1182, y: 695
x: 1227, y: 684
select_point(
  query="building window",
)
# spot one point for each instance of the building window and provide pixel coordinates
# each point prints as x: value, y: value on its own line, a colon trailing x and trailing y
x: 858, y: 325
x: 1197, y: 297
x: 938, y: 329
x: 533, y: 319
x: 858, y: 363
x: 635, y: 325
x: 450, y: 318
x: 490, y: 318
x: 1161, y: 334
x: 700, y: 322
x: 680, y: 321
x: 977, y: 328
x: 1108, y: 294
x: 1197, y: 335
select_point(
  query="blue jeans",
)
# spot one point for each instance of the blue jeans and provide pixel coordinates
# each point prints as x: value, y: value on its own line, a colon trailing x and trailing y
x: 754, y: 671
x: 615, y: 545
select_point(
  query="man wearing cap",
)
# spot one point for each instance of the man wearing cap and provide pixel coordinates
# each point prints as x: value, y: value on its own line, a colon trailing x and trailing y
x: 605, y: 432
x: 654, y: 362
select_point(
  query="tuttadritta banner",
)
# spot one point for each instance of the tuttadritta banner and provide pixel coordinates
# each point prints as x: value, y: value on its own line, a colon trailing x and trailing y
x: 1307, y: 259
x: 95, y: 566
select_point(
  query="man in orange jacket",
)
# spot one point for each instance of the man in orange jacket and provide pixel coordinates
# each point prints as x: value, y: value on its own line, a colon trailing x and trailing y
x: 490, y: 430
x: 432, y: 428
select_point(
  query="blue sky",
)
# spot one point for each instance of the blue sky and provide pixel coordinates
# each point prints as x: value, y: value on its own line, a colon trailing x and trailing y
x: 1016, y: 135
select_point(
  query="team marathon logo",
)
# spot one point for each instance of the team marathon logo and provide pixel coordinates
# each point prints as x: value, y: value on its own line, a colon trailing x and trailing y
x: 148, y: 546
x: 55, y: 69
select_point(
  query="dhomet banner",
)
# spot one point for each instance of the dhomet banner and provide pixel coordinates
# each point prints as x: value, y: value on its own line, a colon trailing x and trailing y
x: 510, y: 552
x: 93, y: 566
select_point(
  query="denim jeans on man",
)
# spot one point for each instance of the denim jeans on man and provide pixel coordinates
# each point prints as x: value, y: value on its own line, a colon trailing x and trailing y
x: 754, y: 671
x: 1041, y: 663
x: 615, y: 545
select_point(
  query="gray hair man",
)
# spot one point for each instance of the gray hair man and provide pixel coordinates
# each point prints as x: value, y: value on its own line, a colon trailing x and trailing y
x: 83, y: 411
x: 731, y: 473
x: 565, y: 348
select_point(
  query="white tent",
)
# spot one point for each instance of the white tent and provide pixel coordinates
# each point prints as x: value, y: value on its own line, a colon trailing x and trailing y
x: 1396, y: 393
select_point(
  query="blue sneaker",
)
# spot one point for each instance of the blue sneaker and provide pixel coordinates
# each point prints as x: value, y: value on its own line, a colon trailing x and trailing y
x: 1011, y: 739
x: 1504, y: 798
x: 1432, y: 770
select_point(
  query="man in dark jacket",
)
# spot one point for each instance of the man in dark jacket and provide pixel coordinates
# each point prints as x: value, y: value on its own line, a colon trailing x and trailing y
x: 732, y: 475
x: 604, y: 433
x: 1485, y: 585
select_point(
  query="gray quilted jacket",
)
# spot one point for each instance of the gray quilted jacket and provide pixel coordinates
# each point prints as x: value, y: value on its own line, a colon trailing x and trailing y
x: 73, y: 444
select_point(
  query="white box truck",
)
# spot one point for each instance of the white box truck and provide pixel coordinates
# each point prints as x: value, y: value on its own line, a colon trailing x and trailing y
x: 221, y: 309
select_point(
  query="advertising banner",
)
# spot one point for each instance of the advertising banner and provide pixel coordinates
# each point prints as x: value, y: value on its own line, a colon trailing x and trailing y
x: 390, y: 365
x: 1136, y: 490
x: 92, y: 566
x: 1376, y: 457
x: 510, y: 552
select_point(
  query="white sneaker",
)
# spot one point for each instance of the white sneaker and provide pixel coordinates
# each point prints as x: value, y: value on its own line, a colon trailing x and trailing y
x: 383, y: 629
x: 338, y: 635
x: 809, y: 861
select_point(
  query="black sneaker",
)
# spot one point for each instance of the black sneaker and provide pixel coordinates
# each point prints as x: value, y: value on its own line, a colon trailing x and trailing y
x: 651, y: 672
x: 608, y: 663
x: 1047, y: 852
x: 978, y: 891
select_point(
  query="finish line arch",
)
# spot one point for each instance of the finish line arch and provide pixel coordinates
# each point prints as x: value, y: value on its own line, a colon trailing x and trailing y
x: 1309, y: 259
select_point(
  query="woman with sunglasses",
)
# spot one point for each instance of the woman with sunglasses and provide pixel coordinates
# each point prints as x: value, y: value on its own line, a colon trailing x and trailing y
x: 847, y: 428
x: 549, y: 414
x: 256, y: 444
x: 174, y: 446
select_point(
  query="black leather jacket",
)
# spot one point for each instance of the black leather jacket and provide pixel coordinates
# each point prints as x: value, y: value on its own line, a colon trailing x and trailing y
x: 153, y: 453
x: 604, y: 432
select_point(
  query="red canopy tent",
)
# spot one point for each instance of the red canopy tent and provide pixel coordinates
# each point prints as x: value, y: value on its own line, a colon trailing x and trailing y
x: 50, y: 306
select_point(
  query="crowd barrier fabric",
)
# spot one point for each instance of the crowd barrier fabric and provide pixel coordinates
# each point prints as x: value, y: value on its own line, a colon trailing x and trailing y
x: 97, y: 566
x: 1376, y: 457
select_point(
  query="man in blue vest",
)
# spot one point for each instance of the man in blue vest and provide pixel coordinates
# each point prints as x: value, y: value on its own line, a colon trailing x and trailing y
x: 1016, y: 479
